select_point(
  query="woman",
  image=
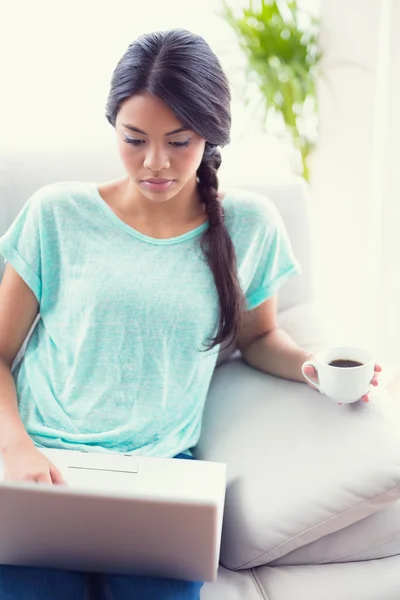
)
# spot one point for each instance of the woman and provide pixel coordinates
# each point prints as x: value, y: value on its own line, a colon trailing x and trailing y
x: 138, y: 282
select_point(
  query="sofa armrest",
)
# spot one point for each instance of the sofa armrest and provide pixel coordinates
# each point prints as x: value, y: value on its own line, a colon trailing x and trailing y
x: 299, y: 465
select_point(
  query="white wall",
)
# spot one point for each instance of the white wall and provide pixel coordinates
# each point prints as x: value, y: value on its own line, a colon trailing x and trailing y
x: 342, y: 163
x: 389, y: 281
x: 355, y: 174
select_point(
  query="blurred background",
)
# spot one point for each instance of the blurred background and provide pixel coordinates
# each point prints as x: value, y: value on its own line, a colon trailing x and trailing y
x: 316, y: 85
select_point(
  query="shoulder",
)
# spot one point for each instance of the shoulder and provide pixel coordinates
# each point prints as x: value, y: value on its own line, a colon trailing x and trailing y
x: 64, y: 194
x: 246, y: 209
x: 60, y: 197
x: 57, y: 205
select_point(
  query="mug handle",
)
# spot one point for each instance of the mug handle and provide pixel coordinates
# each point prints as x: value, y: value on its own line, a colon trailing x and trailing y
x: 312, y: 364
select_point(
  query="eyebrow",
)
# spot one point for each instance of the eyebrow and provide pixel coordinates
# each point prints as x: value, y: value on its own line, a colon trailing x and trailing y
x: 137, y: 130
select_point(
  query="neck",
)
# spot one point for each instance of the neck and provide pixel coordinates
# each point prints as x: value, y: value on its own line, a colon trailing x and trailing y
x: 184, y: 207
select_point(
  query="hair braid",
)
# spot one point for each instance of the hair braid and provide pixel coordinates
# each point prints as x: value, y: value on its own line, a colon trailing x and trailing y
x: 219, y: 249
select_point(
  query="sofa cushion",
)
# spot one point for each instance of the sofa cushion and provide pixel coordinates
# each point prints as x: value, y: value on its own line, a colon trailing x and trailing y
x: 369, y: 580
x: 376, y: 536
x: 232, y: 585
x: 299, y: 465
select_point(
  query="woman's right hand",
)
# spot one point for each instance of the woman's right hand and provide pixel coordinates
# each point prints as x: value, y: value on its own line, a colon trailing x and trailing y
x: 22, y: 461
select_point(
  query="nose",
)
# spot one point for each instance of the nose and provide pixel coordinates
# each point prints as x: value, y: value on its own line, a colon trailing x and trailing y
x: 156, y: 159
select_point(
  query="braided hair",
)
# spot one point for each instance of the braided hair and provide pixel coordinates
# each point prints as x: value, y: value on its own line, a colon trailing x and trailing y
x: 218, y: 249
x: 180, y: 68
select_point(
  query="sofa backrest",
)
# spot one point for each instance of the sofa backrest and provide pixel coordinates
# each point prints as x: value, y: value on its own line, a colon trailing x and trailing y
x: 23, y: 173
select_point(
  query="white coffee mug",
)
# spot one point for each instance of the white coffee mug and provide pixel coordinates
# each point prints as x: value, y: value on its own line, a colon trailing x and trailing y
x: 342, y: 384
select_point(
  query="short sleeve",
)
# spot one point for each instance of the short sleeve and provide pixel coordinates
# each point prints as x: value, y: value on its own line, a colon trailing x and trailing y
x: 21, y: 246
x: 273, y: 261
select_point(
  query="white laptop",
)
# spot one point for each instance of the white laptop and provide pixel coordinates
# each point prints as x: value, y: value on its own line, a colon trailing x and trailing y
x: 118, y: 514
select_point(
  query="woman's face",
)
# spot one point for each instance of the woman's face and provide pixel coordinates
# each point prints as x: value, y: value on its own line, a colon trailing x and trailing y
x: 160, y: 156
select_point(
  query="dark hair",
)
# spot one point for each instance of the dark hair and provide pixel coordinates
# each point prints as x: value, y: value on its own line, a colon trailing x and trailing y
x: 180, y: 69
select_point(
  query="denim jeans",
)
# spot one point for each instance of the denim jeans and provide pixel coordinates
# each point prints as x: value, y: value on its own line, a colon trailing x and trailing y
x: 28, y: 583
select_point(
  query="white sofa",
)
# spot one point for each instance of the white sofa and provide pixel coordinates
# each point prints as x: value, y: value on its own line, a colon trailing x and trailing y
x: 313, y: 497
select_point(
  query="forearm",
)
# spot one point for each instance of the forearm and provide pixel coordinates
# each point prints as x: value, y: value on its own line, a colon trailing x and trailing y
x: 11, y: 426
x: 277, y: 354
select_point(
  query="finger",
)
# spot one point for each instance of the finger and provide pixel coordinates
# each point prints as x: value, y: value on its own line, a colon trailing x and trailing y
x: 56, y: 476
x: 378, y: 368
x: 311, y: 373
x: 375, y: 381
x: 365, y: 398
x: 43, y: 478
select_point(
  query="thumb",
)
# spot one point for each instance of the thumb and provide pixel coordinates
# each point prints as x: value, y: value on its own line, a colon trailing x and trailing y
x: 56, y: 476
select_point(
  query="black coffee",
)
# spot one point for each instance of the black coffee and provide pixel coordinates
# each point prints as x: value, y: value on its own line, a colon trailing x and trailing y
x: 344, y: 363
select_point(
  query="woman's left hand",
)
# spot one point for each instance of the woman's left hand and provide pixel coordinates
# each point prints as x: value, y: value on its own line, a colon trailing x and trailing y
x: 311, y: 372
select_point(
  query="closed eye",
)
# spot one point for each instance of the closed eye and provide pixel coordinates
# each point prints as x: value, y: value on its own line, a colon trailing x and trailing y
x: 180, y: 144
x: 136, y: 142
x: 133, y: 141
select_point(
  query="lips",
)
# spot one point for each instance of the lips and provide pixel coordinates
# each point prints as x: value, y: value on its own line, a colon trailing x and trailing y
x: 159, y: 181
x: 157, y: 185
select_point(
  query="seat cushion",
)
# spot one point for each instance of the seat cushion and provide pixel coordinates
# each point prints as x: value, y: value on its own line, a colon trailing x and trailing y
x: 376, y: 536
x: 369, y: 580
x: 300, y: 466
x: 232, y: 585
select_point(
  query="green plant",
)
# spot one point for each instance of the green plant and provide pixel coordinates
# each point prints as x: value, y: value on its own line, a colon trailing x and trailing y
x: 280, y: 41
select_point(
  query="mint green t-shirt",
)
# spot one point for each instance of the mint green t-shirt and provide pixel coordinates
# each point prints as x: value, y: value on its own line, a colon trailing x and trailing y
x: 115, y: 362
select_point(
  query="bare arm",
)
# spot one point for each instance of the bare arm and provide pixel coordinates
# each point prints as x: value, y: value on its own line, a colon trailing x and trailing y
x: 268, y: 348
x: 18, y: 310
